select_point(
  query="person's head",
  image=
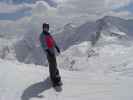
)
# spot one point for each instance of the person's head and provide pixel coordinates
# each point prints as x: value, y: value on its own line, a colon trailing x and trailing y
x: 45, y: 27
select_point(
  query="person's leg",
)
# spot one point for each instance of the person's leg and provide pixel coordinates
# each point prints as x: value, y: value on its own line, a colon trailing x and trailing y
x: 57, y: 77
x: 53, y: 70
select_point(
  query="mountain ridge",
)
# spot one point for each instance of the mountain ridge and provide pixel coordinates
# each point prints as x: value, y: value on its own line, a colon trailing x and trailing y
x: 28, y: 50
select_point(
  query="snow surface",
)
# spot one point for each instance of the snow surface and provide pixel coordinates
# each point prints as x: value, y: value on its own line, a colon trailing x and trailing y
x: 30, y: 82
x: 103, y: 72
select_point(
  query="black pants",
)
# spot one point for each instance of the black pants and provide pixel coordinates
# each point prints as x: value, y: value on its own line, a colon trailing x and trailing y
x: 53, y: 70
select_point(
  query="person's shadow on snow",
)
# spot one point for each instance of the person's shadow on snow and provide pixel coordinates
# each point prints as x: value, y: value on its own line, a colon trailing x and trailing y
x: 35, y: 90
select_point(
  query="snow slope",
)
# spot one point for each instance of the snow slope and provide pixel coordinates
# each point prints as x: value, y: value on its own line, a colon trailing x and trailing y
x: 30, y: 82
x: 83, y: 56
x: 102, y: 72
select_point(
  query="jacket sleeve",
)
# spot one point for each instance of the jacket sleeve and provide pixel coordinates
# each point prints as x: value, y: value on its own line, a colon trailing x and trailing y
x: 56, y: 46
x: 43, y: 44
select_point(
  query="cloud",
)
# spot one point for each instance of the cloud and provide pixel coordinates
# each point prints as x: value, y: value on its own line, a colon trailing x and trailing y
x: 123, y: 14
x: 77, y: 6
x: 39, y: 12
x: 114, y: 4
x: 67, y: 11
x: 10, y: 8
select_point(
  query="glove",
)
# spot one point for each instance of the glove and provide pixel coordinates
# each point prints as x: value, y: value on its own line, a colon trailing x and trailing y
x: 58, y: 50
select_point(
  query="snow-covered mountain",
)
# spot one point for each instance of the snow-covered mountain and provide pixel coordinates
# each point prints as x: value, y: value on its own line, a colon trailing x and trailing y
x: 28, y: 50
x: 90, y: 30
x: 116, y: 23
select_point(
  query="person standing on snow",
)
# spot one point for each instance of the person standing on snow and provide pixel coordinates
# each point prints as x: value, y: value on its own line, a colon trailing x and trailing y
x: 48, y: 44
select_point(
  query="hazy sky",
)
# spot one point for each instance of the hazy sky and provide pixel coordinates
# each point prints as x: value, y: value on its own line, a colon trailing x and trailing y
x: 15, y: 9
x: 21, y: 16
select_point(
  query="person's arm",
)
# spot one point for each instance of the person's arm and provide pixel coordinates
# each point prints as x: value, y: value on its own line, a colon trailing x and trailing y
x: 43, y: 44
x: 57, y: 48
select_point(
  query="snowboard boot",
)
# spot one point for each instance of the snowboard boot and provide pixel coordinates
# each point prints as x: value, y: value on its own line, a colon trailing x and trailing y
x: 57, y: 81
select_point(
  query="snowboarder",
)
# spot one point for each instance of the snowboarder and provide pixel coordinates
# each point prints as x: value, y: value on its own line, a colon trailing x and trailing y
x: 48, y: 44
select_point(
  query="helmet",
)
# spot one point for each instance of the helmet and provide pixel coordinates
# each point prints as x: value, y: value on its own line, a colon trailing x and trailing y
x: 45, y: 25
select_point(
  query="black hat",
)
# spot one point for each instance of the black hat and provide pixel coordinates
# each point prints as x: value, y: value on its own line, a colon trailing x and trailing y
x: 45, y: 25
